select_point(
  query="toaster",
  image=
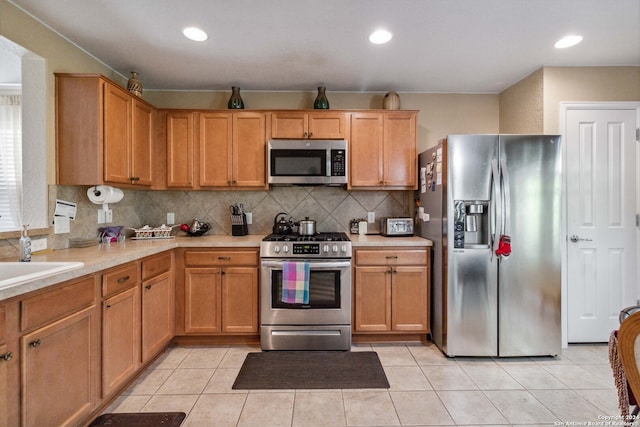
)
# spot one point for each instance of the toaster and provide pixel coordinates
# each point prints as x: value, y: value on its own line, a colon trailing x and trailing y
x: 396, y: 227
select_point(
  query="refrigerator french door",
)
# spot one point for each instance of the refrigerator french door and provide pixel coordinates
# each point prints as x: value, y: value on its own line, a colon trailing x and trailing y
x: 494, y: 205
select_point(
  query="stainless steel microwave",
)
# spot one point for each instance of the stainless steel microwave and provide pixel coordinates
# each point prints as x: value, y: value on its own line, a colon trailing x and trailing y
x: 308, y: 162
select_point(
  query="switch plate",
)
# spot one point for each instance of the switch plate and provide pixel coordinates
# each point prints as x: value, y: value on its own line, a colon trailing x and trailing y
x: 108, y: 216
x: 171, y: 218
x: 249, y: 216
x: 371, y: 217
x: 38, y: 245
x: 101, y: 216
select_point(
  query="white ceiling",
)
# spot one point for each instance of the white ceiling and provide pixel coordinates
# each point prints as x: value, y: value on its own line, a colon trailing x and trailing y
x: 475, y: 46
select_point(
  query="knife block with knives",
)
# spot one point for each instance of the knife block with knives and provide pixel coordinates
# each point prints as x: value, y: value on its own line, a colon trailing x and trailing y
x: 238, y: 221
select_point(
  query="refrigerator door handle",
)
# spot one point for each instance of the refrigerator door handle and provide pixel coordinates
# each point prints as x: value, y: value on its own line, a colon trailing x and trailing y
x: 507, y: 197
x: 496, y: 208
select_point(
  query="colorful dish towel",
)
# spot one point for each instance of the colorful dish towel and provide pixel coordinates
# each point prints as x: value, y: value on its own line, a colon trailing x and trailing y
x: 295, y: 282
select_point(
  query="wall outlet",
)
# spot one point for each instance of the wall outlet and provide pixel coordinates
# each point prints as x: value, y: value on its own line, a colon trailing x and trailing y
x: 38, y: 245
x: 171, y: 218
x: 101, y: 216
x: 249, y: 216
x: 108, y: 216
x: 371, y: 217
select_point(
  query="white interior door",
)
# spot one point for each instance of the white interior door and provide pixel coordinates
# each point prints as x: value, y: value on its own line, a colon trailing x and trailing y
x: 601, y: 220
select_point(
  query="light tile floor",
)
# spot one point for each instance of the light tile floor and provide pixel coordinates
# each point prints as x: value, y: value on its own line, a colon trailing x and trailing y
x: 427, y: 388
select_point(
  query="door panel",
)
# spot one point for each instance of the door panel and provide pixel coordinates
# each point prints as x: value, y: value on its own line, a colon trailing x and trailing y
x: 529, y: 290
x: 601, y: 203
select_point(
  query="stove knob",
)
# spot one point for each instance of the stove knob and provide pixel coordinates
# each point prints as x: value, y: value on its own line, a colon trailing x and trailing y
x: 325, y: 248
x: 276, y: 248
x: 285, y: 249
x: 335, y: 248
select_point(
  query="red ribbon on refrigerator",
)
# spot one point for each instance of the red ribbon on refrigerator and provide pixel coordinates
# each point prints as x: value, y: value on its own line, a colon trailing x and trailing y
x: 504, y: 246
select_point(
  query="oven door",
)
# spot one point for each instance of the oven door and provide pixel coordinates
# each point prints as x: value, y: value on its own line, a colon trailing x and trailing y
x: 329, y: 295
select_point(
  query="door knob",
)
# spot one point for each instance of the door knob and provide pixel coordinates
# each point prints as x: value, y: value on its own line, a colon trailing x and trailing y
x: 574, y: 238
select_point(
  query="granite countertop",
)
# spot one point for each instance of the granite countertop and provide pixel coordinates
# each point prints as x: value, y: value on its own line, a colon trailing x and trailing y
x: 104, y: 256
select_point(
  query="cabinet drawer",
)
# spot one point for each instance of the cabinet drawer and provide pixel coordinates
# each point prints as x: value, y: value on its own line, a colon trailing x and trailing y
x: 391, y: 257
x: 52, y: 305
x: 119, y: 279
x: 221, y: 258
x: 156, y: 265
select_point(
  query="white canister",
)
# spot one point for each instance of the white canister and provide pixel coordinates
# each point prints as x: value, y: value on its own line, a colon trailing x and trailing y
x: 362, y: 228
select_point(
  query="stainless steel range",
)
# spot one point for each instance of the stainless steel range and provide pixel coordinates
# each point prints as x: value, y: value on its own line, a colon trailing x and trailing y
x: 324, y: 323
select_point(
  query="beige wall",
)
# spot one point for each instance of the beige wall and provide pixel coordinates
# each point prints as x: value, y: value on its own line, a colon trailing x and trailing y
x: 566, y: 84
x: 521, y: 105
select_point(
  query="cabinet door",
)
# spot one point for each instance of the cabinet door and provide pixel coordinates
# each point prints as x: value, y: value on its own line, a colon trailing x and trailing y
x: 120, y: 339
x: 4, y: 384
x: 215, y: 149
x: 324, y: 125
x: 400, y: 151
x: 143, y: 152
x: 117, y: 135
x: 409, y: 299
x: 372, y: 299
x: 202, y: 300
x: 366, y: 150
x: 158, y: 310
x: 58, y: 368
x: 289, y: 125
x: 240, y: 300
x: 249, y: 150
x: 180, y: 152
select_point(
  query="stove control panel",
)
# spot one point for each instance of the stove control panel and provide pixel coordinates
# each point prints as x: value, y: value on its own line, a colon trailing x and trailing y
x: 305, y: 250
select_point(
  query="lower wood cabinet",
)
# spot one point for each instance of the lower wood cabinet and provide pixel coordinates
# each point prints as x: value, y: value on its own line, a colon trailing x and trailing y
x: 157, y: 314
x: 120, y: 339
x: 221, y: 292
x: 6, y: 357
x: 59, y: 368
x: 391, y: 290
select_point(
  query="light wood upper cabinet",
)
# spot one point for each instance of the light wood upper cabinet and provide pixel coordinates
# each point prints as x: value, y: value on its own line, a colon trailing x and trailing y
x: 232, y: 149
x: 383, y: 150
x: 104, y: 134
x: 309, y: 125
x: 180, y: 149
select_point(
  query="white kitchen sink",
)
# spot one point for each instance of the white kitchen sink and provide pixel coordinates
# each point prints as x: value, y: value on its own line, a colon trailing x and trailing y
x: 16, y: 273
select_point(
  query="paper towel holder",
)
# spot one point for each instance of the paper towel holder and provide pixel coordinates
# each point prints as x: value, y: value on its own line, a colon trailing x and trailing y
x: 103, y: 195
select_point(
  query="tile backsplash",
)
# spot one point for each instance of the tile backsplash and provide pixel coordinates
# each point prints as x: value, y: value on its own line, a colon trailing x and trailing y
x: 331, y: 207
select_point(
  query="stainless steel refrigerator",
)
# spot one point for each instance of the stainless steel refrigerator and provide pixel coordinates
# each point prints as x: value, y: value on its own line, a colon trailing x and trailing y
x: 492, y: 207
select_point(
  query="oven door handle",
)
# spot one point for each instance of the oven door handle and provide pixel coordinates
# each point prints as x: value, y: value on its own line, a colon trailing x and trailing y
x: 315, y: 265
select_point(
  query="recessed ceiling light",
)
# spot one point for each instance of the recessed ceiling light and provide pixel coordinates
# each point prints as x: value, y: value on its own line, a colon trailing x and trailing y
x: 568, y: 41
x: 380, y: 37
x: 195, y: 34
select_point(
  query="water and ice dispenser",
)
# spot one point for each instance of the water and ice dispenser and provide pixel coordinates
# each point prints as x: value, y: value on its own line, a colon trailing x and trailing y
x: 471, y: 224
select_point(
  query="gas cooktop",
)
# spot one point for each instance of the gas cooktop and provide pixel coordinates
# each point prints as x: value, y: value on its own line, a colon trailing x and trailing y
x: 318, y: 237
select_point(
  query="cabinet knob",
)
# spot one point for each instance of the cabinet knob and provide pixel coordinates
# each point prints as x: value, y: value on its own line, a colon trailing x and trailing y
x: 123, y: 279
x: 310, y: 134
x: 304, y: 135
x: 148, y: 287
x: 233, y: 182
x: 6, y: 357
x: 224, y: 258
x: 35, y: 343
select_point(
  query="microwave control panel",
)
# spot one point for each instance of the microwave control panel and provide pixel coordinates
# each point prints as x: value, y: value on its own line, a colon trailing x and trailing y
x: 338, y: 162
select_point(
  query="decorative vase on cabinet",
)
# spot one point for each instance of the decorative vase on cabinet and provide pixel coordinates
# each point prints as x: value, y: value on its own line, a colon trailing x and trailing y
x: 134, y: 85
x: 321, y: 102
x: 235, y: 101
x: 391, y: 101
